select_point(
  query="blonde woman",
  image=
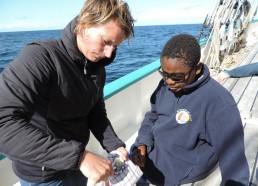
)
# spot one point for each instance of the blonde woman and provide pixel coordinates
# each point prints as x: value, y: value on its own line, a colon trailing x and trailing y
x: 52, y: 97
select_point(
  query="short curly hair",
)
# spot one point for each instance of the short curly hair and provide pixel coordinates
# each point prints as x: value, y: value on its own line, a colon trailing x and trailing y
x: 183, y: 46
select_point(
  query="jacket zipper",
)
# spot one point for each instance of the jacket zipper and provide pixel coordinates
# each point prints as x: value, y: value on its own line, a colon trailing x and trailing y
x: 85, y: 67
x: 177, y: 100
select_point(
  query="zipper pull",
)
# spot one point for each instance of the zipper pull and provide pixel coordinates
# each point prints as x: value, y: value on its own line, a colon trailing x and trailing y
x: 84, y: 68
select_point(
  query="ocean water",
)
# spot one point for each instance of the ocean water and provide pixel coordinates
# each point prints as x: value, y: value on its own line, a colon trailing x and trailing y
x: 141, y: 50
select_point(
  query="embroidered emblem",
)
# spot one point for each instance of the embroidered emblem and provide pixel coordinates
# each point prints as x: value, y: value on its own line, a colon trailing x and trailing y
x: 183, y: 116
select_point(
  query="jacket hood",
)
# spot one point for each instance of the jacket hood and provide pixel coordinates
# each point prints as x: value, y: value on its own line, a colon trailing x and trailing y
x: 68, y: 38
x: 200, y: 82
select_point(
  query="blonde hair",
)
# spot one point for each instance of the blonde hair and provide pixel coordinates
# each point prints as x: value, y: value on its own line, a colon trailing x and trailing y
x: 99, y: 12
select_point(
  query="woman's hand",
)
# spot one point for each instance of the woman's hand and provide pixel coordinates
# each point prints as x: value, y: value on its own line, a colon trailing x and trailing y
x: 95, y: 167
x: 123, y: 152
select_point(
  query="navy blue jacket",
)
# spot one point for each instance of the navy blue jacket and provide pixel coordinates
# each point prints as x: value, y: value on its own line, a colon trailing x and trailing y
x: 189, y: 132
x: 48, y: 107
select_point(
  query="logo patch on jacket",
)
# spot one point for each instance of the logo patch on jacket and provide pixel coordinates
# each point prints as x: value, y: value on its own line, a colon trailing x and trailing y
x: 183, y: 116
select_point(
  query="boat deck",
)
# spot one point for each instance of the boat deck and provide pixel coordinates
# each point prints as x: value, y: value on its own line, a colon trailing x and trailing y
x: 244, y: 91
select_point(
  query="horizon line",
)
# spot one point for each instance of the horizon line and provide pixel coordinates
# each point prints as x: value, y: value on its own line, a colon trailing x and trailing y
x: 34, y: 30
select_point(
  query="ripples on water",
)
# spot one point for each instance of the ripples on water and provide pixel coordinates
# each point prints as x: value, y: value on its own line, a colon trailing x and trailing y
x: 143, y: 49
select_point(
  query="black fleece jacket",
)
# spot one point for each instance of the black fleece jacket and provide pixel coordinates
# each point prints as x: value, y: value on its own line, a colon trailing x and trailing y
x: 48, y: 107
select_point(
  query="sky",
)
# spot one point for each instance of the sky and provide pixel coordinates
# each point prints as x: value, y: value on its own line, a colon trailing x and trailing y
x: 25, y: 15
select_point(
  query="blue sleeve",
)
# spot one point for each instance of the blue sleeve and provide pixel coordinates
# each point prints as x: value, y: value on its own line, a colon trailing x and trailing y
x: 227, y: 136
x: 145, y: 135
x: 244, y: 71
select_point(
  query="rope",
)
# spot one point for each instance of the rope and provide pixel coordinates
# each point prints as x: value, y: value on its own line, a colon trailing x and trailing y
x: 212, y: 58
x: 226, y: 15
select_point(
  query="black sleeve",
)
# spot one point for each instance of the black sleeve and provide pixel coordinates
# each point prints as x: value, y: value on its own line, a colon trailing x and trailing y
x: 22, y: 84
x: 100, y: 125
x: 102, y: 129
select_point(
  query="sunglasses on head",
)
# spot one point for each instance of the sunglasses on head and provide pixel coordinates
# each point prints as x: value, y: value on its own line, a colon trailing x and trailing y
x: 176, y: 77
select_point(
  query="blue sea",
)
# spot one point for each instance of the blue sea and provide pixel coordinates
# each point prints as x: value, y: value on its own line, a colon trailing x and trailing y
x: 141, y: 50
